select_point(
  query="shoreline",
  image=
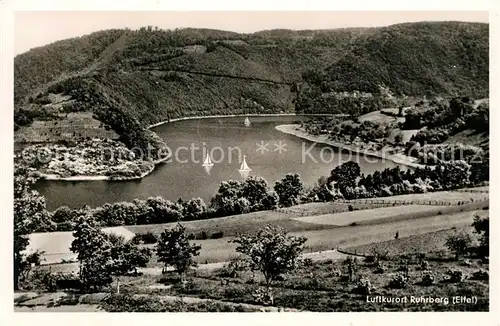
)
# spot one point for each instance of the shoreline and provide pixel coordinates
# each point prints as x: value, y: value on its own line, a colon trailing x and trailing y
x: 243, y: 115
x: 55, y: 177
x: 293, y: 129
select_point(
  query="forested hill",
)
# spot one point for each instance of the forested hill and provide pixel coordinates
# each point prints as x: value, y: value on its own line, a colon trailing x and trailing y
x: 150, y: 75
x: 418, y: 58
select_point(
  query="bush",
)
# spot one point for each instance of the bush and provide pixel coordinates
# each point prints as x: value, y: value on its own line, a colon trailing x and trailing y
x: 36, y: 280
x: 364, y: 287
x: 336, y: 272
x: 399, y: 281
x: 428, y: 278
x: 127, y: 303
x: 351, y: 208
x: 93, y: 298
x: 306, y: 262
x: 145, y: 238
x: 67, y: 281
x: 482, y: 228
x: 456, y: 276
x: 262, y: 296
x: 203, y: 235
x: 170, y: 278
x: 465, y: 262
x: 404, y: 267
x: 424, y: 265
x: 233, y: 268
x: 217, y: 235
x: 481, y: 275
x: 379, y: 268
x: 459, y: 243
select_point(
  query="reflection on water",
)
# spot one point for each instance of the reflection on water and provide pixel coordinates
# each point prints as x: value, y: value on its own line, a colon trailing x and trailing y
x: 269, y: 153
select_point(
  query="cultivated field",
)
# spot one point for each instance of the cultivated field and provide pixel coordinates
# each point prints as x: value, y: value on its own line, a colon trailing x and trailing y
x: 69, y: 126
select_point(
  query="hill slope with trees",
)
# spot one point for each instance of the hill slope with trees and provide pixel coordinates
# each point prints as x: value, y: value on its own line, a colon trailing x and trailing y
x: 129, y: 79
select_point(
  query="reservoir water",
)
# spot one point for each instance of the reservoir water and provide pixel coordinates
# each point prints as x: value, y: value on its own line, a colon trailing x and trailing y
x: 269, y: 153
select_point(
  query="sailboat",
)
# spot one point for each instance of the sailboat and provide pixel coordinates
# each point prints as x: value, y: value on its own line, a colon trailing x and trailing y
x: 247, y: 122
x: 207, y: 161
x: 244, y: 166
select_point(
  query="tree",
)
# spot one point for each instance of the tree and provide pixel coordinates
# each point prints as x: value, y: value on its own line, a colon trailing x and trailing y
x: 289, y: 189
x: 63, y: 214
x: 194, y: 208
x: 271, y: 252
x: 345, y: 175
x: 454, y: 174
x: 32, y: 259
x: 29, y: 215
x: 236, y: 197
x: 143, y: 213
x: 270, y: 201
x: 225, y: 199
x: 461, y: 106
x: 352, y: 267
x: 126, y: 257
x: 459, y: 243
x: 94, y: 253
x: 255, y: 190
x: 123, y: 213
x: 173, y: 249
x: 164, y: 211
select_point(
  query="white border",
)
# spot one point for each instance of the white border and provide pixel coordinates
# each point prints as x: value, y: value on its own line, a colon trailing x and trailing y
x: 230, y: 319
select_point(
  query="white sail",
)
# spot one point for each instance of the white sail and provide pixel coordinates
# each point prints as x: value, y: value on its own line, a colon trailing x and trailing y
x: 207, y: 169
x: 247, y: 121
x: 244, y: 166
x: 208, y: 161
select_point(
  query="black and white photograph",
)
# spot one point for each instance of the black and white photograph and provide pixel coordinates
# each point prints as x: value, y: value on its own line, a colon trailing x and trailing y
x: 251, y: 161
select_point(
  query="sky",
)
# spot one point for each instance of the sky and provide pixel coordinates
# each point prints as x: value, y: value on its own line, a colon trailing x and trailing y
x: 37, y: 28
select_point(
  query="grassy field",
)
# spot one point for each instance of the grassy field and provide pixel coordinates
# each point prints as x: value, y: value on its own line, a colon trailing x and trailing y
x: 407, y: 134
x: 378, y: 214
x: 218, y: 250
x: 364, y: 234
x: 423, y: 243
x: 360, y: 227
x: 432, y: 198
x: 232, y: 225
x: 475, y: 189
x: 468, y: 137
x: 377, y: 116
x: 311, y: 209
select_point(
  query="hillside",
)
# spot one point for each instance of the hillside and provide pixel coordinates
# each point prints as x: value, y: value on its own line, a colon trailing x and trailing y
x: 131, y: 79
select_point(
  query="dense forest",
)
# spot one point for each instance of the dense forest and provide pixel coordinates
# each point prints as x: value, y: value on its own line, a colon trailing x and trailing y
x: 149, y: 75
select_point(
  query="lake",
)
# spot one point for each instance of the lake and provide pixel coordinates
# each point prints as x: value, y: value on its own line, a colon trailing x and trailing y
x: 270, y: 154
